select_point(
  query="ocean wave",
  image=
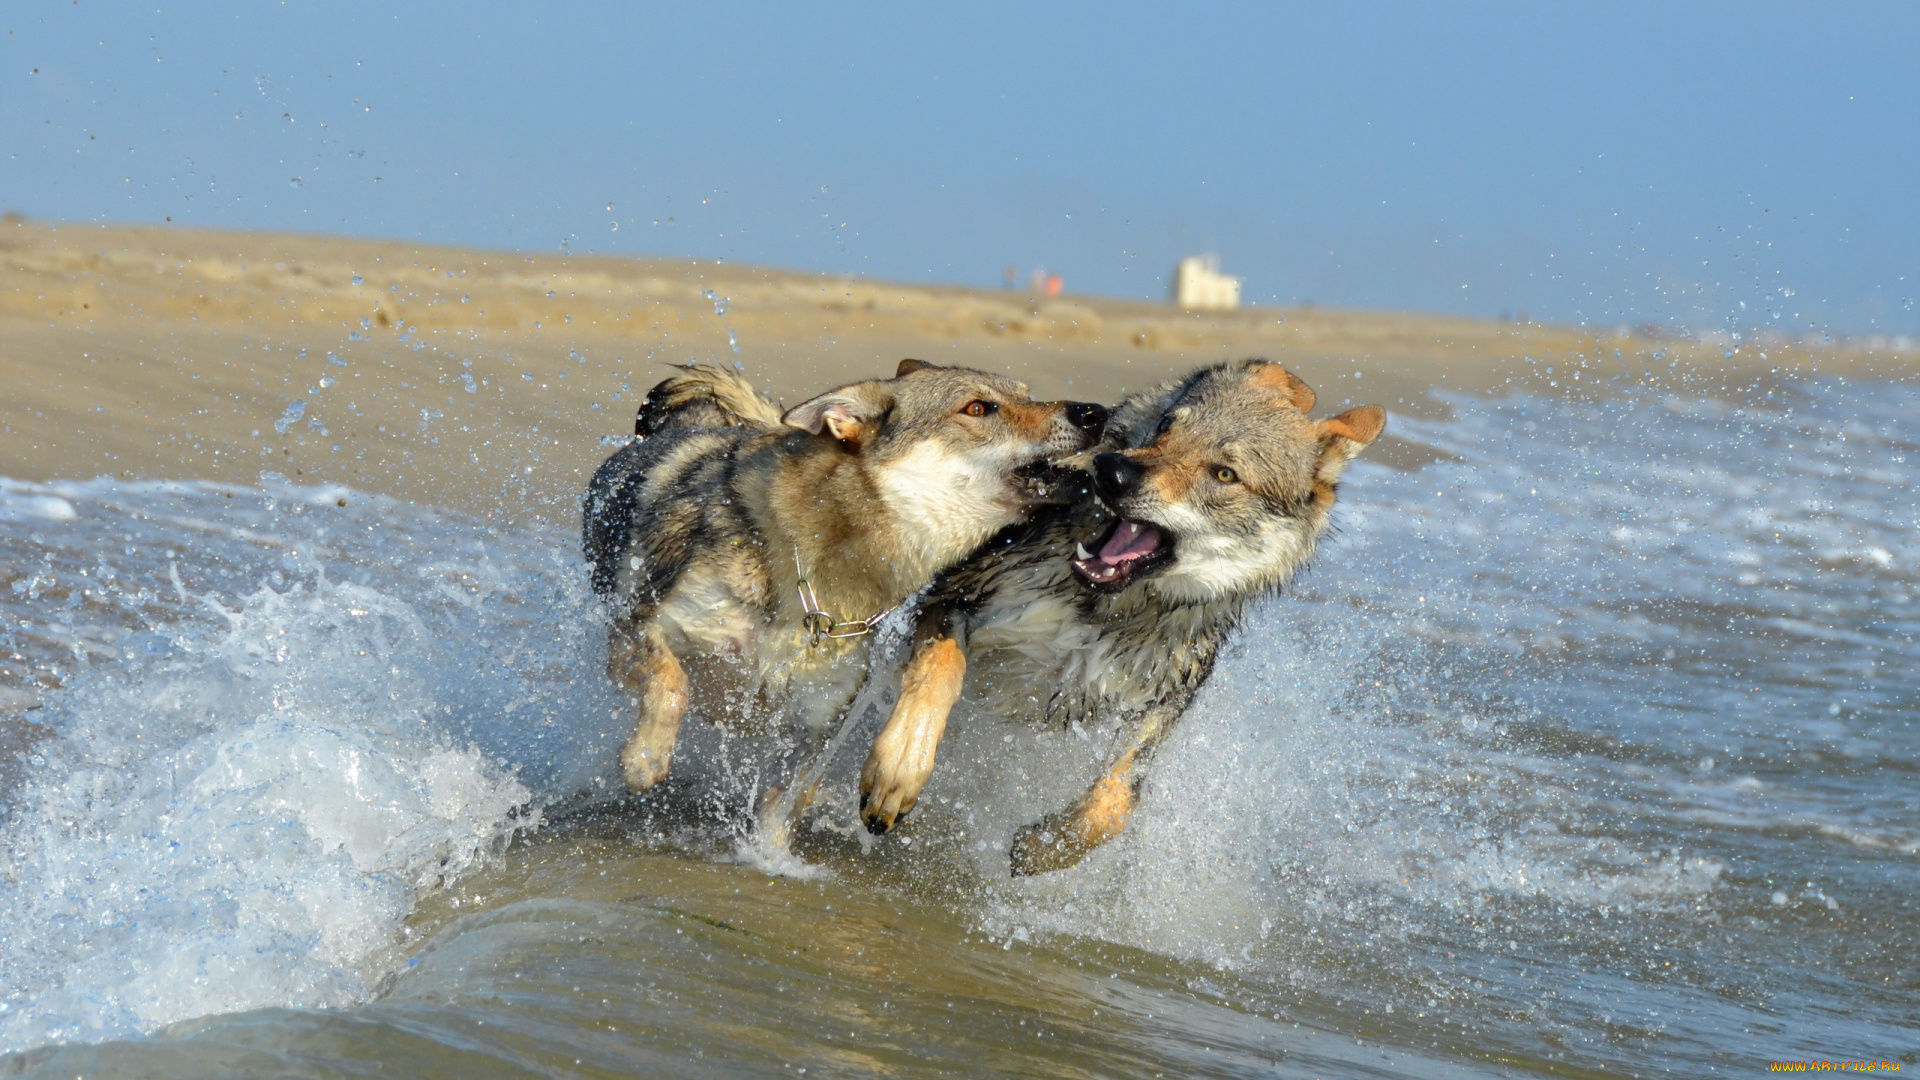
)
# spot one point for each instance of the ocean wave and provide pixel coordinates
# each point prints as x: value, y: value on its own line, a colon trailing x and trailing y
x: 243, y: 808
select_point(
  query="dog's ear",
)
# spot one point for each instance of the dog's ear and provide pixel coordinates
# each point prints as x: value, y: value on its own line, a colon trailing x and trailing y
x: 908, y: 367
x: 1343, y: 437
x: 1286, y: 382
x: 850, y: 415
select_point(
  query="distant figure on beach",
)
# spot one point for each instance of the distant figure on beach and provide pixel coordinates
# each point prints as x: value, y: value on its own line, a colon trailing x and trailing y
x: 1198, y: 285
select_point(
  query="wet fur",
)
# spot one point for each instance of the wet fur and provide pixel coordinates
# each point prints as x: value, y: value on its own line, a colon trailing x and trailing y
x: 1016, y: 617
x: 692, y: 533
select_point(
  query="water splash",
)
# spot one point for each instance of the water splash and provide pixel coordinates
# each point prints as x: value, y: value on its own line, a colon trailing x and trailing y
x: 240, y: 826
x: 242, y: 807
x: 720, y: 310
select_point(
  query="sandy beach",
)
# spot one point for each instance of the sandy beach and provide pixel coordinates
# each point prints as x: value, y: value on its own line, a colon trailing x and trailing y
x: 485, y: 381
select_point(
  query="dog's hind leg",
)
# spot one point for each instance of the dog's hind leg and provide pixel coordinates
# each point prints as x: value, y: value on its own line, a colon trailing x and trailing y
x: 901, y: 760
x: 792, y: 785
x: 640, y: 662
x: 1061, y: 840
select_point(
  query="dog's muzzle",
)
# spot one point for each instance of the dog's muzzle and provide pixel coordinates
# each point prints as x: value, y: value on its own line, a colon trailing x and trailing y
x: 1088, y: 417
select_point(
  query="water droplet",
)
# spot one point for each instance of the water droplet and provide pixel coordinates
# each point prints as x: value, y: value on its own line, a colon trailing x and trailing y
x: 357, y: 279
x: 720, y: 309
x: 291, y: 417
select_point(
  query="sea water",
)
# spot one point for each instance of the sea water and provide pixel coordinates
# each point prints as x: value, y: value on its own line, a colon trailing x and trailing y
x: 1589, y: 747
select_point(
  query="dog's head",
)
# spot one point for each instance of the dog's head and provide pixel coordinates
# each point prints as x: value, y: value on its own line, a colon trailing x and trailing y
x: 955, y: 454
x: 1231, y: 492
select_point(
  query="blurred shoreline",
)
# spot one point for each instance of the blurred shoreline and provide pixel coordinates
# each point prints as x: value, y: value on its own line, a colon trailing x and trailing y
x: 487, y: 381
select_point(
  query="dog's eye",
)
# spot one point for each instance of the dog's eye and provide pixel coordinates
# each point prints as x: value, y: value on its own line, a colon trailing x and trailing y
x: 1225, y: 475
x: 1165, y: 423
x: 981, y: 408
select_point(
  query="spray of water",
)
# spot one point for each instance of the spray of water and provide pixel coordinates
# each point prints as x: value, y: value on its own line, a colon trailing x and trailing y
x: 720, y: 311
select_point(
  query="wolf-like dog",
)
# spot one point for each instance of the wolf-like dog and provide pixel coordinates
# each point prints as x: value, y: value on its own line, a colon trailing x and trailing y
x: 747, y: 553
x: 1213, y: 491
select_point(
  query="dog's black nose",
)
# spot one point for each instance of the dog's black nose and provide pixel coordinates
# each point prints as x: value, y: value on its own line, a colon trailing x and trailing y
x: 1087, y: 415
x: 1114, y: 476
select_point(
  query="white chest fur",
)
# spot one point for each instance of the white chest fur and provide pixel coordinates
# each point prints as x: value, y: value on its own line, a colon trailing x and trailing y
x: 943, y: 502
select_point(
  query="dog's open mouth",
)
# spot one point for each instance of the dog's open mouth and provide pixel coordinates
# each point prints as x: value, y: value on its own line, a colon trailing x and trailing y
x: 1131, y: 548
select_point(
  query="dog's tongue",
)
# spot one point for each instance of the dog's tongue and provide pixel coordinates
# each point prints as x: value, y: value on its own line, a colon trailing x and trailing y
x: 1130, y: 541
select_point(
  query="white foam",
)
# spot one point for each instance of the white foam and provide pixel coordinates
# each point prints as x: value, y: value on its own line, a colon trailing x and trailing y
x: 1281, y: 804
x: 241, y: 827
x: 23, y: 508
x: 243, y: 810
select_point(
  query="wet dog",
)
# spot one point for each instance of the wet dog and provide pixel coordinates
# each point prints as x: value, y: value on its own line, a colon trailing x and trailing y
x: 1213, y: 492
x: 747, y: 553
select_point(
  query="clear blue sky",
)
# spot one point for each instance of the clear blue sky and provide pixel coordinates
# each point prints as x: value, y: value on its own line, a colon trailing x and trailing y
x: 1608, y: 162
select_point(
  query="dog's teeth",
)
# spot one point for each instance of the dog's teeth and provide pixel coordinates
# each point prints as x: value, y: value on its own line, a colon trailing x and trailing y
x: 1080, y: 550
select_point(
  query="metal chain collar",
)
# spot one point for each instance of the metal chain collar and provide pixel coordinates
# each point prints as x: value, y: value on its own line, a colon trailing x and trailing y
x: 820, y: 625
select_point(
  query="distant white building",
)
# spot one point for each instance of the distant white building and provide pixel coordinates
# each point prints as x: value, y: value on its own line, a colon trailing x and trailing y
x: 1198, y: 285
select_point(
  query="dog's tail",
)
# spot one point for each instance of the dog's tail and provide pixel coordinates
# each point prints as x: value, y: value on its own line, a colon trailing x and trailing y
x: 704, y: 395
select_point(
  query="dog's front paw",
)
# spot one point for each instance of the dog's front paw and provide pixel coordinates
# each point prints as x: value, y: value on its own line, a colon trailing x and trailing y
x: 889, y: 786
x: 1062, y: 840
x: 883, y: 804
x: 644, y: 764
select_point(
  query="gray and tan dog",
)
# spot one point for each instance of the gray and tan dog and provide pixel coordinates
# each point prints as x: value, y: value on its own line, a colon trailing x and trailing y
x: 1216, y: 493
x: 747, y: 553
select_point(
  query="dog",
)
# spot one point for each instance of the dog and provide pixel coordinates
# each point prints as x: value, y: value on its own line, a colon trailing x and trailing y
x: 1212, y: 491
x: 747, y: 554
